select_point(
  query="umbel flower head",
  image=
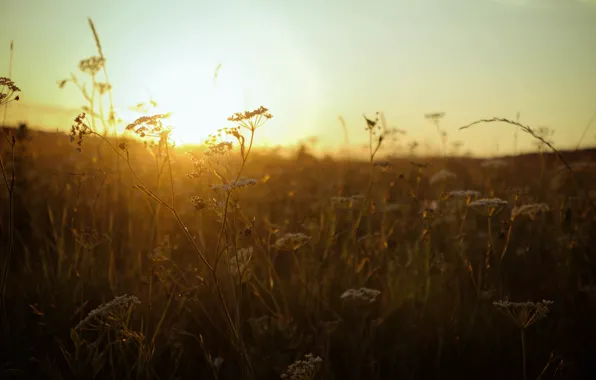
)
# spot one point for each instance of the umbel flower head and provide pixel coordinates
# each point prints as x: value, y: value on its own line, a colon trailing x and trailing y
x: 113, y: 310
x: 362, y: 296
x: 291, y: 241
x: 467, y: 195
x: 303, y: 369
x: 8, y: 91
x: 240, y: 264
x: 489, y: 206
x: 149, y: 126
x: 524, y: 314
x: 92, y: 65
x: 251, y: 120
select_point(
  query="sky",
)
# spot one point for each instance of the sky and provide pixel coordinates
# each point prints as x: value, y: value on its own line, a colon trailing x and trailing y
x: 312, y: 61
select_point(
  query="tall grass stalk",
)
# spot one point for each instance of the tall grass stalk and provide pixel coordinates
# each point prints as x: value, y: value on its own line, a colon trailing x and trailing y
x: 533, y: 133
x: 9, y: 180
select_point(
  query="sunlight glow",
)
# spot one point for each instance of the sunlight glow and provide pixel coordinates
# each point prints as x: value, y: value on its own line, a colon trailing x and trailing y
x: 198, y: 112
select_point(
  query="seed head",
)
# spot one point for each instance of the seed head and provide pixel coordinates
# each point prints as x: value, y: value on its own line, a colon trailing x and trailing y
x: 488, y: 206
x: 524, y: 314
x: 529, y: 210
x: 240, y: 264
x: 92, y: 65
x: 291, y: 241
x: 149, y: 126
x: 441, y: 176
x: 362, y: 296
x: 8, y: 91
x: 303, y: 369
x: 251, y: 120
x: 197, y: 202
x: 115, y: 306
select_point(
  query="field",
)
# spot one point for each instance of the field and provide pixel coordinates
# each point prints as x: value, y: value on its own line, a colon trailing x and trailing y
x: 134, y: 259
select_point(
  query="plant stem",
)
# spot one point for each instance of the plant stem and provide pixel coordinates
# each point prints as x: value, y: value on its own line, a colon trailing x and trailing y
x: 523, y: 344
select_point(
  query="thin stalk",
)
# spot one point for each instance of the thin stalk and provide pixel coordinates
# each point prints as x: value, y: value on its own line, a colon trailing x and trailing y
x: 523, y: 346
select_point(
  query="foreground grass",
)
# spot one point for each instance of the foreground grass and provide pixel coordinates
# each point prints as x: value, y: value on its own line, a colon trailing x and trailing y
x: 293, y: 243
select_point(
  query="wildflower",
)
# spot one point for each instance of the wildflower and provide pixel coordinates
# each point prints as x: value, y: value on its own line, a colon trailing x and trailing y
x: 494, y: 164
x: 218, y: 149
x: 241, y: 182
x: 239, y: 264
x: 103, y: 88
x: 197, y: 202
x: 488, y: 205
x: 251, y: 120
x: 303, y: 369
x: 463, y: 194
x: 79, y: 130
x: 524, y: 314
x: 163, y: 251
x: 360, y: 296
x: 149, y: 126
x: 8, y: 91
x: 112, y: 308
x: 92, y: 65
x: 291, y: 241
x: 530, y: 210
x: 442, y: 175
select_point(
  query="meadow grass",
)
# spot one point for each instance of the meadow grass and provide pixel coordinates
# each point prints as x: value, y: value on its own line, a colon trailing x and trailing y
x: 128, y: 257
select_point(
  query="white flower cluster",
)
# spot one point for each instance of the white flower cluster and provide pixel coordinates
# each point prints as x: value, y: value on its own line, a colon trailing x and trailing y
x: 494, y: 164
x: 360, y: 296
x: 441, y: 175
x: 530, y: 210
x: 239, y: 264
x: 488, y: 203
x: 464, y: 193
x: 118, y: 303
x: 303, y: 369
x: 241, y: 182
x: 291, y: 241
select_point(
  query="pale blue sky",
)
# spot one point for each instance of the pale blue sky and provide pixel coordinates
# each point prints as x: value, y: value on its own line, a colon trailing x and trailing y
x: 311, y: 61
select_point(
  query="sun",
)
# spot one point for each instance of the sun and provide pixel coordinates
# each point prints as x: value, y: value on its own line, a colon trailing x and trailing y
x: 196, y: 113
x: 198, y: 105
